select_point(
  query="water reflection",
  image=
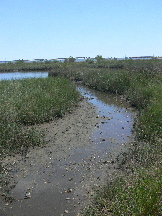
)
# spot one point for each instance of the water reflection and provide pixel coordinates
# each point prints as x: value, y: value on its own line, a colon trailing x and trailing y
x: 116, y: 116
x: 102, y: 97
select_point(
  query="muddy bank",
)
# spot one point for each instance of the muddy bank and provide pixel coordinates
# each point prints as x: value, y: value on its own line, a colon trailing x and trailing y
x: 59, y: 178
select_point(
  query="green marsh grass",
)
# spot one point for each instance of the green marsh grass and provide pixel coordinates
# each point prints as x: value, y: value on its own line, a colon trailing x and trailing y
x: 27, y: 102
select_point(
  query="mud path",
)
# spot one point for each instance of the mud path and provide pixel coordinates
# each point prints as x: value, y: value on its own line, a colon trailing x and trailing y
x: 60, y: 178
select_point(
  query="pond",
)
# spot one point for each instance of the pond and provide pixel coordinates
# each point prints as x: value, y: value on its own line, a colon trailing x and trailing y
x: 22, y: 75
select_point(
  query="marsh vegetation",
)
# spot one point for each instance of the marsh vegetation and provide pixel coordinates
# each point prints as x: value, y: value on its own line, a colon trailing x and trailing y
x: 29, y: 102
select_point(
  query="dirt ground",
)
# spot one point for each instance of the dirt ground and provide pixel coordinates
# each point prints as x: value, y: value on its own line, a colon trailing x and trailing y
x: 61, y: 177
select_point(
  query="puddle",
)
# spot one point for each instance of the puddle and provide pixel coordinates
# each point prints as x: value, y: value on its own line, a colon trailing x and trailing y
x: 62, y: 186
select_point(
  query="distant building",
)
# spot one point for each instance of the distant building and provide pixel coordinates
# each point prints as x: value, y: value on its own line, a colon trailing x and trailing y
x: 27, y: 61
x: 52, y: 60
x: 61, y: 59
x: 22, y: 60
x: 2, y: 62
x: 120, y: 59
x: 141, y: 57
x: 80, y: 59
x: 39, y: 60
x: 14, y: 61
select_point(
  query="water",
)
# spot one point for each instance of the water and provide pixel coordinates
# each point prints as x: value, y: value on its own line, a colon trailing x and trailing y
x: 115, y: 127
x: 22, y: 75
x: 111, y: 108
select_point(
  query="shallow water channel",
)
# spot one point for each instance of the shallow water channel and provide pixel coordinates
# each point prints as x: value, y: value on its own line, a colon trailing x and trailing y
x: 62, y: 183
x: 117, y: 118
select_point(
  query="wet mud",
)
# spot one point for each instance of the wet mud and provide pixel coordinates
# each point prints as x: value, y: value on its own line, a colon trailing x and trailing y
x: 61, y: 178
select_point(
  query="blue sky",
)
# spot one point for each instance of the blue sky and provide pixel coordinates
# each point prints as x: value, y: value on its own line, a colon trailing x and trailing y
x: 61, y: 28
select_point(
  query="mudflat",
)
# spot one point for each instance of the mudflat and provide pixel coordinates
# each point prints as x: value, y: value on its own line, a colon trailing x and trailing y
x: 61, y: 177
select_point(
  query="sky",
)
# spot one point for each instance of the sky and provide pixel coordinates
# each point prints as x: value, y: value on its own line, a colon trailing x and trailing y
x: 50, y: 29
